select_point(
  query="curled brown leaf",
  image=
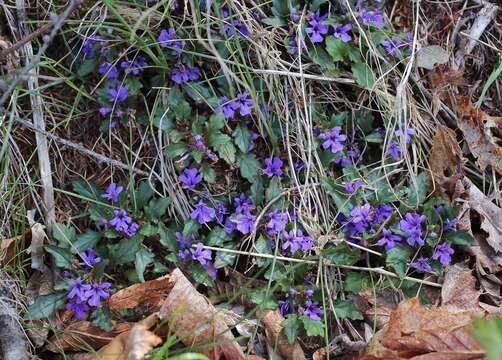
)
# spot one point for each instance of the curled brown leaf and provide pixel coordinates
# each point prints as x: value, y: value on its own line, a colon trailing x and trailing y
x: 150, y: 293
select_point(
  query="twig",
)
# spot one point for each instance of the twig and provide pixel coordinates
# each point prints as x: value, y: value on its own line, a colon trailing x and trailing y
x: 377, y: 270
x: 26, y: 39
x: 58, y: 23
x: 98, y: 157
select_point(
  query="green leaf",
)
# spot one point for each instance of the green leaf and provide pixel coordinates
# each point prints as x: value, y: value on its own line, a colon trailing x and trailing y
x: 157, y: 208
x: 182, y: 110
x: 144, y: 258
x: 223, y: 259
x: 256, y: 191
x: 321, y: 57
x: 342, y: 254
x: 125, y: 251
x: 46, y: 305
x: 337, y: 192
x: 148, y: 230
x: 489, y: 334
x: 101, y: 317
x: 357, y: 281
x: 175, y: 150
x: 312, y: 327
x: 88, y: 66
x: 198, y: 155
x: 336, y: 48
x: 191, y: 227
x: 216, y: 121
x: 263, y: 247
x: 62, y: 256
x: 65, y: 235
x: 242, y: 138
x: 249, y: 167
x: 365, y: 122
x: 167, y: 237
x: 273, y: 190
x: 291, y: 326
x: 87, y: 190
x: 280, y: 8
x: 417, y: 196
x: 143, y: 194
x: 347, y: 309
x: 263, y: 300
x: 363, y: 75
x: 217, y: 237
x: 87, y: 240
x: 460, y: 237
x: 208, y: 173
x: 227, y: 152
x: 397, y: 258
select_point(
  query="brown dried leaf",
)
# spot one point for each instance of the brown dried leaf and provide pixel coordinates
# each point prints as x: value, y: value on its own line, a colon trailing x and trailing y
x: 7, y: 250
x: 477, y: 126
x: 377, y: 309
x: 82, y: 335
x: 150, y: 293
x: 414, y: 332
x: 132, y: 344
x: 459, y: 290
x: 195, y: 320
x: 446, y: 156
x: 276, y: 338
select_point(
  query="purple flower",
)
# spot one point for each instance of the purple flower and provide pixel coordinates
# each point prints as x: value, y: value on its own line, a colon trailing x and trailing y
x: 246, y: 223
x: 406, y: 133
x: 182, y: 73
x: 443, y: 252
x: 411, y: 225
x: 372, y: 17
x: 308, y: 293
x: 98, y: 292
x: 78, y: 290
x: 450, y: 224
x: 333, y: 139
x: 183, y: 242
x: 109, y: 69
x: 305, y: 241
x: 382, y: 213
x: 90, y: 259
x: 221, y: 211
x: 167, y: 38
x: 203, y: 256
x: 231, y: 25
x: 312, y: 310
x: 290, y: 242
x: 88, y: 45
x: 252, y: 145
x: 392, y: 46
x: 80, y: 308
x: 394, y: 151
x: 243, y: 103
x: 105, y: 110
x: 120, y: 222
x: 361, y: 217
x: 293, y: 45
x: 284, y: 307
x: 229, y: 226
x: 352, y: 186
x: 190, y: 178
x: 273, y: 167
x: 388, y: 239
x: 421, y: 264
x: 112, y: 192
x: 202, y: 213
x: 227, y: 107
x: 199, y: 142
x: 117, y: 94
x: 293, y: 14
x: 277, y: 222
x: 132, y: 229
x: 317, y: 28
x: 134, y: 67
x: 292, y: 292
x: 243, y: 204
x: 341, y: 32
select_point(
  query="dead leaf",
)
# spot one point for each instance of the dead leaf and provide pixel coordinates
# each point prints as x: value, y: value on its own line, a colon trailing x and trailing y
x: 459, y: 290
x: 132, y: 344
x: 195, y: 320
x: 431, y: 55
x: 446, y: 156
x: 36, y: 248
x: 419, y: 333
x: 82, y: 335
x: 7, y: 250
x: 377, y: 309
x: 479, y: 129
x: 444, y: 76
x: 276, y: 338
x: 150, y: 293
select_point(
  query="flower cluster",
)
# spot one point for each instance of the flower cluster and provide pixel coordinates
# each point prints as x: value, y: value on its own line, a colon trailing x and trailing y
x: 85, y: 296
x: 233, y: 26
x: 242, y: 104
x: 301, y: 303
x: 333, y: 139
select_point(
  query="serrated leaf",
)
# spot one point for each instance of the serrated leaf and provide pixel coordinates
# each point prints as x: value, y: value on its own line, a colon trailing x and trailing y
x: 88, y: 66
x: 174, y: 150
x: 460, y: 237
x: 208, y: 173
x: 46, y: 305
x: 217, y: 237
x: 65, y: 235
x: 363, y: 75
x: 62, y: 256
x: 357, y: 281
x: 336, y: 48
x: 257, y: 191
x: 101, y: 317
x: 143, y: 194
x: 347, y: 309
x: 263, y: 300
x: 144, y: 258
x: 342, y: 254
x: 291, y: 326
x: 167, y: 237
x: 87, y: 240
x: 216, y: 121
x: 223, y: 259
x: 125, y: 250
x: 87, y: 190
x: 249, y: 167
x: 418, y: 194
x: 242, y: 137
x: 397, y: 258
x: 262, y: 245
x: 312, y: 327
x: 157, y: 208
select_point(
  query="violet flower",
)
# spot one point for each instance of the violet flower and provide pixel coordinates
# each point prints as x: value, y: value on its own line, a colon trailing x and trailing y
x: 203, y: 213
x: 284, y: 307
x: 406, y: 133
x: 78, y: 289
x: 394, y: 151
x: 333, y: 139
x: 243, y: 204
x: 388, y: 239
x: 273, y: 167
x: 246, y: 223
x: 312, y: 310
x: 443, y: 253
x: 90, y: 259
x: 112, y: 192
x: 421, y: 265
x: 98, y: 292
x: 118, y: 94
x: 183, y: 242
x: 181, y: 73
x: 105, y: 110
x: 232, y: 26
x: 290, y: 242
x: 411, y: 225
x: 277, y: 222
x: 190, y: 178
x: 203, y: 256
x: 341, y: 32
x: 372, y: 18
x: 167, y: 38
x: 353, y: 186
x: 243, y: 103
x: 109, y: 70
x: 79, y: 308
x: 227, y: 107
x: 120, y: 222
x: 317, y: 29
x: 134, y: 67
